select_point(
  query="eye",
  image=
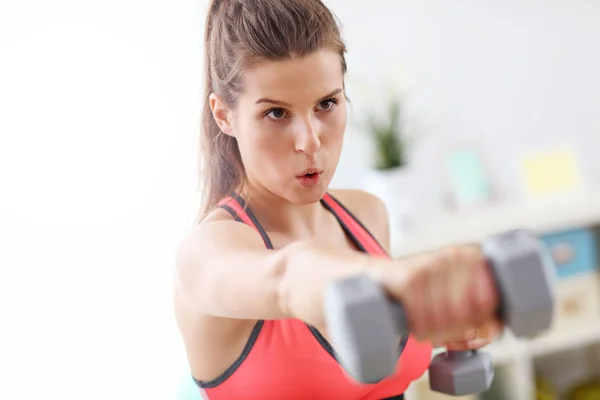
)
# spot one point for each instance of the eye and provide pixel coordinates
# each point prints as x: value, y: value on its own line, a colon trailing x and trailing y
x: 276, y: 113
x: 328, y: 104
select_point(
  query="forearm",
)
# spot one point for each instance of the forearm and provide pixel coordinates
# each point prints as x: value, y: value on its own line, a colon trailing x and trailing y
x: 309, y: 268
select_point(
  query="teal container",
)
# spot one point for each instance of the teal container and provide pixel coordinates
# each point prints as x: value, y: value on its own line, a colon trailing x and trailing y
x: 574, y: 251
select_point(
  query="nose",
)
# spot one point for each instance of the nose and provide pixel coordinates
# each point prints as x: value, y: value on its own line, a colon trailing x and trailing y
x: 307, y: 138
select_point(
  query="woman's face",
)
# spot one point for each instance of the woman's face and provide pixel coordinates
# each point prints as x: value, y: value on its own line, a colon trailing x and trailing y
x: 289, y: 123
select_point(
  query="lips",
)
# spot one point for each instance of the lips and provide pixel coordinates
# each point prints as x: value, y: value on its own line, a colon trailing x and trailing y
x: 310, y: 171
x: 309, y: 178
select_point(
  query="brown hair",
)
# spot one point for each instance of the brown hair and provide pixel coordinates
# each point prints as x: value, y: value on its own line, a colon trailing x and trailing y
x: 239, y: 33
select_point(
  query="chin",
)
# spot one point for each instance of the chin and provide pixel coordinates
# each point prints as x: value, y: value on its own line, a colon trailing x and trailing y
x: 308, y: 197
x: 304, y: 197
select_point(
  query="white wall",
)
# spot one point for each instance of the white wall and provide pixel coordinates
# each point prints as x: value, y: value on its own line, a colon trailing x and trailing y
x: 99, y: 108
x: 98, y: 114
x: 506, y: 75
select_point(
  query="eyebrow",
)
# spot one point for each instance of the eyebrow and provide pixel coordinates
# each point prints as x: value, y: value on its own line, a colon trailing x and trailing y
x: 284, y: 104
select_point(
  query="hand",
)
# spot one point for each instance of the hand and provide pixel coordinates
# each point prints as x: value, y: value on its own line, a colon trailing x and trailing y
x: 475, y: 338
x: 445, y: 293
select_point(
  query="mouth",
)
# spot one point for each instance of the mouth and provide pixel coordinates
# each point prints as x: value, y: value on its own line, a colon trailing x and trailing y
x: 310, y: 177
x: 310, y: 172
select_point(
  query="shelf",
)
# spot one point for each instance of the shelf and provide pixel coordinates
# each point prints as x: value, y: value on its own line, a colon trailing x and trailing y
x: 581, y: 209
x: 563, y: 340
x: 517, y: 355
x: 510, y: 350
x: 517, y: 358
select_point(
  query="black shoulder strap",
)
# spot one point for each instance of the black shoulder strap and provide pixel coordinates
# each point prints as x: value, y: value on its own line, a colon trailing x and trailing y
x: 239, y: 210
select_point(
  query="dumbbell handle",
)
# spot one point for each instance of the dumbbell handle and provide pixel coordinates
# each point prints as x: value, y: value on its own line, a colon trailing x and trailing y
x: 400, y: 324
x: 492, y: 253
x: 399, y: 317
x: 353, y: 306
x: 494, y: 249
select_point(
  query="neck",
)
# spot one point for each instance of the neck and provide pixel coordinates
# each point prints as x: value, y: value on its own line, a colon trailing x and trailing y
x: 279, y: 215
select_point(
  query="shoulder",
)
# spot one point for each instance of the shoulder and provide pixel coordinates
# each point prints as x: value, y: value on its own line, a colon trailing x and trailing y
x: 369, y: 209
x: 214, y: 235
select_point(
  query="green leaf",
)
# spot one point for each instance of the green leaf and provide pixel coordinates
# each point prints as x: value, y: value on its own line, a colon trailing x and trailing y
x: 388, y: 136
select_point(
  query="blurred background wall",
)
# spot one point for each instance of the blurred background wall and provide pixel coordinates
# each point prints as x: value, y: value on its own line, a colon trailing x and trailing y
x: 99, y: 112
x: 99, y: 109
x: 507, y: 75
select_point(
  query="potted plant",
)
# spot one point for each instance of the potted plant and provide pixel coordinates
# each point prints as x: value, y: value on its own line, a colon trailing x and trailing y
x: 389, y: 176
x: 388, y: 138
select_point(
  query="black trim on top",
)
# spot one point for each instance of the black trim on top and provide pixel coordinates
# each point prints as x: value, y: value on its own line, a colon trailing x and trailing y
x: 399, y: 397
x: 232, y: 212
x: 236, y: 364
x: 318, y: 335
x: 358, y: 244
x: 356, y: 220
x: 402, y: 344
x: 321, y: 339
x: 257, y: 328
x: 254, y: 220
x: 259, y: 324
x: 344, y: 226
x: 315, y: 332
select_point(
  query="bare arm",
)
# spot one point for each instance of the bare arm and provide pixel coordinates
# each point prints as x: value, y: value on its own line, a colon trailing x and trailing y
x: 225, y: 271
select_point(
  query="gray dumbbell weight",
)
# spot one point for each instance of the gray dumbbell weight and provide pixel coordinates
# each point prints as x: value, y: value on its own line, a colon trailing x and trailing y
x: 365, y: 324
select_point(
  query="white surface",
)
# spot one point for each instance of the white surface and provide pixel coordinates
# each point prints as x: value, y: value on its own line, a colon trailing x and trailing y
x: 564, y: 341
x: 518, y: 359
x: 502, y: 76
x: 98, y: 116
x: 579, y: 209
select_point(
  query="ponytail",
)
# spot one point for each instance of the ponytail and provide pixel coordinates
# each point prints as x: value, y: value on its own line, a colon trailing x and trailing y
x: 221, y: 170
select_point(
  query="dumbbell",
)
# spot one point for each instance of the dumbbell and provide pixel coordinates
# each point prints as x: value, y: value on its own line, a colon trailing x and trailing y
x: 365, y: 324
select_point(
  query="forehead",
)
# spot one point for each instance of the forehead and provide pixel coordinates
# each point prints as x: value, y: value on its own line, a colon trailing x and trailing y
x: 312, y: 76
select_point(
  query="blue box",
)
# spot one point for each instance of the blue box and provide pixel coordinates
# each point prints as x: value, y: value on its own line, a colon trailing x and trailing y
x: 574, y: 251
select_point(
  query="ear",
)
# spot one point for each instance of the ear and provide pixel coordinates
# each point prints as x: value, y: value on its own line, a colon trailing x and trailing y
x: 220, y: 113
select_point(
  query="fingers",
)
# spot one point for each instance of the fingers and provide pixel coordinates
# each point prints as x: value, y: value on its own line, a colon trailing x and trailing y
x: 481, y: 289
x: 446, y: 292
x: 417, y: 303
x: 484, y: 292
x: 476, y: 338
x: 466, y: 265
x: 470, y: 345
x: 438, y: 305
x: 442, y: 308
x: 439, y: 301
x: 457, y: 277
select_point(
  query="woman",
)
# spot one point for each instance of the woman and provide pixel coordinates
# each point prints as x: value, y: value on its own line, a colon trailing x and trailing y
x: 251, y: 274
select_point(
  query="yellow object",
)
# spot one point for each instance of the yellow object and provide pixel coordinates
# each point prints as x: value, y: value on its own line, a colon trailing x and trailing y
x: 585, y: 391
x: 545, y: 396
x: 551, y: 171
x: 544, y: 389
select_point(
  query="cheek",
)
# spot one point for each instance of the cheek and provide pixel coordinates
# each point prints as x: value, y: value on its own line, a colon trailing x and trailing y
x: 335, y: 129
x: 261, y: 143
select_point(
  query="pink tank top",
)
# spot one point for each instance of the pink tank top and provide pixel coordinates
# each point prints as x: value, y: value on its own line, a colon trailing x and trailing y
x: 289, y: 359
